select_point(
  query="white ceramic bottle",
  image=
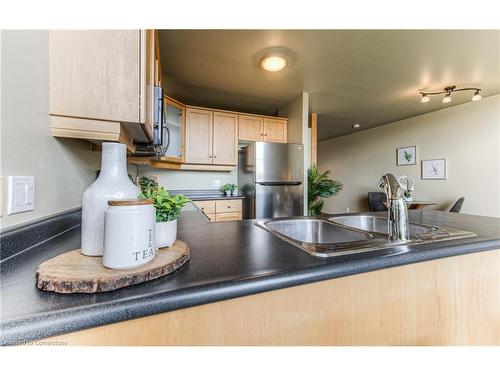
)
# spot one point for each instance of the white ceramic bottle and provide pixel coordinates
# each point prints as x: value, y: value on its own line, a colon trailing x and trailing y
x: 113, y: 183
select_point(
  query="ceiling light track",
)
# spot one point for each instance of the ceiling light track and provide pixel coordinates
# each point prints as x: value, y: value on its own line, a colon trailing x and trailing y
x: 448, y: 91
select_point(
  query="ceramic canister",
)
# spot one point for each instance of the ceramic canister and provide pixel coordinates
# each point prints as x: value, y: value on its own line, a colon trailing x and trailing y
x: 129, y: 233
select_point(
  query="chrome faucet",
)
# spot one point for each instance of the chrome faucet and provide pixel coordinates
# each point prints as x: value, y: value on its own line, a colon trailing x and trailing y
x: 397, y: 220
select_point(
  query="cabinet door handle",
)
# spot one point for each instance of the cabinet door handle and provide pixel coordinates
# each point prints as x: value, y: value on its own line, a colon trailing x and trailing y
x: 210, y: 156
x: 215, y: 156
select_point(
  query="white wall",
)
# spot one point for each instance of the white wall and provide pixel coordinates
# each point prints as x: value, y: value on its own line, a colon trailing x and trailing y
x: 467, y: 135
x: 62, y: 168
x: 297, y: 112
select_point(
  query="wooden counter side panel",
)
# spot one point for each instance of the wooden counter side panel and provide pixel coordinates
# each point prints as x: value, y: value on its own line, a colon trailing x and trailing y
x: 451, y: 301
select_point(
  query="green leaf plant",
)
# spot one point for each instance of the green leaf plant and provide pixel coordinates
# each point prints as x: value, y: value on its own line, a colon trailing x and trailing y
x: 168, y: 207
x: 320, y: 186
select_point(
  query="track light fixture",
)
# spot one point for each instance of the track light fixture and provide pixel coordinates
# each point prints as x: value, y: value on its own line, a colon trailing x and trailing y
x: 448, y: 91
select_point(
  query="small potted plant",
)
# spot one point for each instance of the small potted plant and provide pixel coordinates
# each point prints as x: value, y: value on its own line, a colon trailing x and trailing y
x: 168, y: 208
x: 228, y: 188
x: 408, y: 185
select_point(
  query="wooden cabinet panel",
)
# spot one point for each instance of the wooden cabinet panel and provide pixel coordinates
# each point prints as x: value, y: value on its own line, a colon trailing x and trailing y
x: 449, y: 301
x: 148, y: 73
x: 228, y: 216
x: 199, y: 133
x: 225, y: 138
x: 250, y: 128
x: 207, y: 207
x: 228, y: 205
x: 275, y: 130
x: 211, y: 217
x: 95, y: 74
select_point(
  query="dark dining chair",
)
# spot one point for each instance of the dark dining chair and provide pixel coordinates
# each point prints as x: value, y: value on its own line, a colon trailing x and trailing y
x: 458, y: 205
x: 375, y: 201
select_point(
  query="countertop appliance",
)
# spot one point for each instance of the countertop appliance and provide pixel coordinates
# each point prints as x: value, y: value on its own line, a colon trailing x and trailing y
x: 271, y: 177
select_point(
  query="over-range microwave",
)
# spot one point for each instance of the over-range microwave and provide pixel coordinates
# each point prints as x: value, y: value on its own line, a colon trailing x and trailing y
x: 161, y: 135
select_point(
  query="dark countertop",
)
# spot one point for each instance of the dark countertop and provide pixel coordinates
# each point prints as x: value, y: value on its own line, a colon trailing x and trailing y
x: 215, y: 198
x: 205, y: 194
x: 229, y: 259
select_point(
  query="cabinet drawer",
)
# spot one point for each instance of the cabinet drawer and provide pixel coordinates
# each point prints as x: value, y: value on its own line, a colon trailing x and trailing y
x: 229, y: 205
x: 228, y: 216
x: 207, y: 207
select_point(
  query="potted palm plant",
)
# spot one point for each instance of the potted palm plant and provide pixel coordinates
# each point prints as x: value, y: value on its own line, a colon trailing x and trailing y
x: 168, y: 208
x: 320, y: 186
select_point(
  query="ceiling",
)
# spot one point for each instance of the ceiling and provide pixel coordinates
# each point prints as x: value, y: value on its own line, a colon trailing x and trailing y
x: 370, y: 77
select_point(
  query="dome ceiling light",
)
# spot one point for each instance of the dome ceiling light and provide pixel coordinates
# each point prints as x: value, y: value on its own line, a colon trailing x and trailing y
x: 448, y: 91
x: 273, y: 63
x: 274, y: 59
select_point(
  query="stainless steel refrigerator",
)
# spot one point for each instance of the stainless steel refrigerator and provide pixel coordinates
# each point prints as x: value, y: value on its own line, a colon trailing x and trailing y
x: 271, y: 177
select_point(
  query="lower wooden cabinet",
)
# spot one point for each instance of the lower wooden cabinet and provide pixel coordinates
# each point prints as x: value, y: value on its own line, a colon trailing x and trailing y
x: 228, y: 216
x: 221, y: 210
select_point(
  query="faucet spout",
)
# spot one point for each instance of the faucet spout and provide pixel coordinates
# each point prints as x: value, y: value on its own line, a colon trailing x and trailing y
x: 397, y: 220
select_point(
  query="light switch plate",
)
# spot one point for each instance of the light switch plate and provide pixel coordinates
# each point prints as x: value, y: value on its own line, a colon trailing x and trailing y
x: 20, y: 194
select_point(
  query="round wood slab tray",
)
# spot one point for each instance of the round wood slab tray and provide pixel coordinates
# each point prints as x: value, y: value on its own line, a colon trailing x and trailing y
x: 73, y: 272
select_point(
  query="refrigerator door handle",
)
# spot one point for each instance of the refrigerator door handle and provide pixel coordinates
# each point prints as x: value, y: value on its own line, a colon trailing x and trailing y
x: 287, y: 183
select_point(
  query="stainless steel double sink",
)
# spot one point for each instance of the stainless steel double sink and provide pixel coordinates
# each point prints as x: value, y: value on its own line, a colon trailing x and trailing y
x: 344, y: 235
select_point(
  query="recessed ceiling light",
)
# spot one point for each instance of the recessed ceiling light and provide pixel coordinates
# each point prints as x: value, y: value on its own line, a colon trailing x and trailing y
x: 273, y: 63
x: 356, y: 126
x: 425, y: 98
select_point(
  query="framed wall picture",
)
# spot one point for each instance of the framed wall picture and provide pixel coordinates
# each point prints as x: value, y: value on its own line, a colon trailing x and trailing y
x: 407, y: 155
x: 434, y: 169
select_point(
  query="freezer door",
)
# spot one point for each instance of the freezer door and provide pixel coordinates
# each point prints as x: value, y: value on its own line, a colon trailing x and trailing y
x: 279, y: 162
x: 273, y: 200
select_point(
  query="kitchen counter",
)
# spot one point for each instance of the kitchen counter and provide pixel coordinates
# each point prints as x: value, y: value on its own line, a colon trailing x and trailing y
x: 206, y: 195
x: 228, y: 260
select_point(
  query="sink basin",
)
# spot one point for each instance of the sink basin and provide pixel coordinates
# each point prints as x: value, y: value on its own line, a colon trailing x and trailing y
x: 345, y: 235
x: 376, y: 224
x: 316, y: 231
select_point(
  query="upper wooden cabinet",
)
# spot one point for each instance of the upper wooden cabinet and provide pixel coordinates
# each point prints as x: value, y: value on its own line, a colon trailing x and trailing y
x: 102, y: 75
x: 250, y: 128
x: 174, y: 114
x: 275, y: 130
x: 199, y: 133
x: 211, y: 137
x: 225, y: 138
x: 256, y: 128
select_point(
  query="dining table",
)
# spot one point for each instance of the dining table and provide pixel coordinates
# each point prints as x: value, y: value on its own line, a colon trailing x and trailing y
x: 416, y: 205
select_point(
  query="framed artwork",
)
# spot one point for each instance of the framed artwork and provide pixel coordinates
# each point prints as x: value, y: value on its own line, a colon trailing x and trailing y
x: 407, y: 155
x: 434, y: 169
